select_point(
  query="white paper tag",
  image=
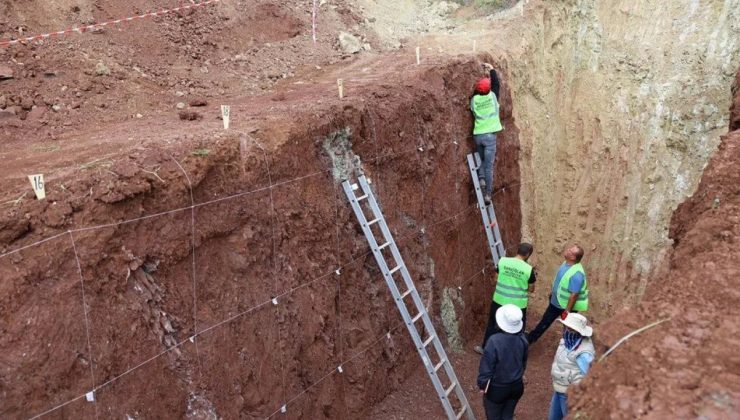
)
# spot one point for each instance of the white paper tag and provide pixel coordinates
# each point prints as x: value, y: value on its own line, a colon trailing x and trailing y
x: 339, y: 368
x: 37, y: 183
x: 418, y: 55
x: 388, y: 335
x: 283, y: 409
x: 90, y: 396
x: 274, y: 301
x: 226, y: 115
x: 338, y: 271
x: 192, y: 339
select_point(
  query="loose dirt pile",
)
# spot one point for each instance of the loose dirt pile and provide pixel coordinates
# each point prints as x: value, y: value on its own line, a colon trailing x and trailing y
x: 689, y: 366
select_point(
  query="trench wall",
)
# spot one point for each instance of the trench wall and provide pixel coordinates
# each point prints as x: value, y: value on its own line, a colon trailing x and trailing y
x: 155, y: 282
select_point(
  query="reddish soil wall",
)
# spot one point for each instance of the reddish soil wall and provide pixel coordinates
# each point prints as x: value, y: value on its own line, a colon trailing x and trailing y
x: 283, y: 232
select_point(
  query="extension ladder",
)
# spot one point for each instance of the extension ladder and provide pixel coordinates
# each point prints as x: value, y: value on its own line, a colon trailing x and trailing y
x: 432, y: 365
x: 490, y: 224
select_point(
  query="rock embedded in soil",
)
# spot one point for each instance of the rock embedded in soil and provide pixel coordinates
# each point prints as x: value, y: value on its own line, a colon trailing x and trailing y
x: 349, y: 43
x: 189, y: 115
x: 101, y: 69
x: 198, y: 102
x: 5, y: 72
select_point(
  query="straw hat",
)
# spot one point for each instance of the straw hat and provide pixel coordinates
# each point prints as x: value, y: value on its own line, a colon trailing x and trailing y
x: 578, y: 323
x: 509, y: 318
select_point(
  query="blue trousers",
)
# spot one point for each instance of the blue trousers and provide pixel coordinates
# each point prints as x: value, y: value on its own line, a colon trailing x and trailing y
x: 486, y: 147
x: 558, y: 406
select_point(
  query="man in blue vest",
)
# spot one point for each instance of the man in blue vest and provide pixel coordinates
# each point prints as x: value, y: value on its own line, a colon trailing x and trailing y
x: 569, y: 292
x: 485, y: 108
x: 514, y: 283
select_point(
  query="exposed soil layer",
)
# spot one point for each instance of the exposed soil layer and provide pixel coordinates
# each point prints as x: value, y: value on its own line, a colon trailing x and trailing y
x: 110, y: 304
x: 687, y: 367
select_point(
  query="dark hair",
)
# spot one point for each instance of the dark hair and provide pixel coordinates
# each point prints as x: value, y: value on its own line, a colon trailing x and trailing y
x: 579, y: 253
x: 525, y: 249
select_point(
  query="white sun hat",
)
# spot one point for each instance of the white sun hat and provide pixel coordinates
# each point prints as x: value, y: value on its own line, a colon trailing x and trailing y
x: 509, y: 318
x: 578, y: 323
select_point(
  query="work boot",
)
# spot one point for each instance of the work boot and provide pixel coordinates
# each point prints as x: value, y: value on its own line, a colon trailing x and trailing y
x: 482, y: 182
x: 478, y: 349
x: 487, y: 198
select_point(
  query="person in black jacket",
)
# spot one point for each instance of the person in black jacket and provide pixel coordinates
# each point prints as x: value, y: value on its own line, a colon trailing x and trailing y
x: 501, y: 372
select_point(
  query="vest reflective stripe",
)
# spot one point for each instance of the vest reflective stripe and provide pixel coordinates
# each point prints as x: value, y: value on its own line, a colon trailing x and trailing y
x: 486, y: 111
x: 564, y: 294
x: 513, y: 282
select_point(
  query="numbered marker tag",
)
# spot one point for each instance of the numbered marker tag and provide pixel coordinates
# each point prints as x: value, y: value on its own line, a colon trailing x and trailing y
x: 339, y: 368
x: 90, y: 396
x: 37, y: 183
x: 226, y: 115
x: 283, y: 409
x: 340, y: 87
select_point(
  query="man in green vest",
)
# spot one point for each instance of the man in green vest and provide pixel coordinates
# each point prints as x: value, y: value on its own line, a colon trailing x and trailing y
x: 569, y: 292
x: 485, y: 108
x: 515, y: 281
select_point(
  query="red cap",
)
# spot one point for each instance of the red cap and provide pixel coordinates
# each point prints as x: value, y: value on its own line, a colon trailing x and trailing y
x: 483, y: 86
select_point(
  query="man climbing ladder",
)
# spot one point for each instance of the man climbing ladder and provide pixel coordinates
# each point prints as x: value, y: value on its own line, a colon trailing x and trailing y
x: 485, y: 108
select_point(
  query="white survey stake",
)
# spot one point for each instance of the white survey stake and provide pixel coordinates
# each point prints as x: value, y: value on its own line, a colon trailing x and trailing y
x: 226, y: 115
x: 37, y: 183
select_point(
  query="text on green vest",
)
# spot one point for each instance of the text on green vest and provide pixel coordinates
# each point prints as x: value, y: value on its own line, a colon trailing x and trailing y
x: 513, y: 282
x: 486, y: 111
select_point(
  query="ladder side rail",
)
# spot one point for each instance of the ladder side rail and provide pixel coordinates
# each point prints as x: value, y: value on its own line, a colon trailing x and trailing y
x: 472, y: 158
x: 391, y: 283
x: 497, y: 234
x: 420, y: 308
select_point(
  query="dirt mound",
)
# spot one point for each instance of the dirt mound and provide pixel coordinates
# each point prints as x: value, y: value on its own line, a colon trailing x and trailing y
x: 689, y: 366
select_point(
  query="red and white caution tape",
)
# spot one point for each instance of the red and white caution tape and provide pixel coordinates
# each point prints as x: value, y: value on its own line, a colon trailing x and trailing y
x: 86, y: 28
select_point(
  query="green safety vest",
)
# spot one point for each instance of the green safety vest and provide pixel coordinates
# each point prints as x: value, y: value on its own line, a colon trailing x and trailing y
x: 513, y: 282
x: 485, y: 108
x: 564, y: 294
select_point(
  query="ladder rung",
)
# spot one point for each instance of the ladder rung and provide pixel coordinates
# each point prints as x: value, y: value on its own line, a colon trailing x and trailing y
x: 384, y: 246
x: 374, y: 221
x: 450, y: 389
x: 440, y: 364
x: 416, y: 318
x: 429, y: 340
x: 460, y: 414
x: 362, y: 197
x: 406, y: 293
x: 395, y: 269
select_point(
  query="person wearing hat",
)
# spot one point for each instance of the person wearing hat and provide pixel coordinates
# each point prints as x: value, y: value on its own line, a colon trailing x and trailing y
x: 485, y: 108
x: 572, y: 360
x: 502, y: 365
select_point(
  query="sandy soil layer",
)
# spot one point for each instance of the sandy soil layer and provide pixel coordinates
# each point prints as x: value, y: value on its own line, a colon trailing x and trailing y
x: 688, y: 366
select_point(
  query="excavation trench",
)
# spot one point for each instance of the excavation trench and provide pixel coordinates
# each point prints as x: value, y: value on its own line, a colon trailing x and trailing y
x: 257, y: 294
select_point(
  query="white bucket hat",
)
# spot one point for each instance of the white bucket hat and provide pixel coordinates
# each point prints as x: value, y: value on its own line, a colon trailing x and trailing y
x: 578, y: 323
x: 509, y: 318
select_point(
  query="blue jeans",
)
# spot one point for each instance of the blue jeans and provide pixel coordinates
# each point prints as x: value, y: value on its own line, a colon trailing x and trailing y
x: 486, y: 145
x: 558, y: 406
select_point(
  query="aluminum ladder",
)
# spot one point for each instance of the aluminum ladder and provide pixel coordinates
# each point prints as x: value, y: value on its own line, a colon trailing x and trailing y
x: 490, y: 223
x: 433, y: 365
